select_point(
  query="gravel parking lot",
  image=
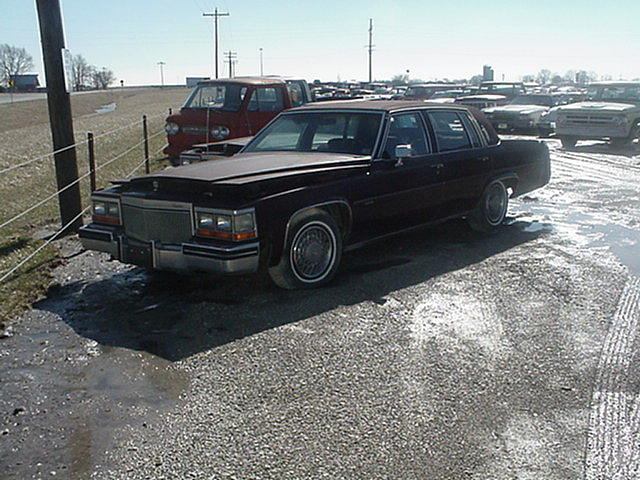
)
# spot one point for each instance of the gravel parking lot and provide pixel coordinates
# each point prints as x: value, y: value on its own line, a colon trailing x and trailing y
x: 444, y: 354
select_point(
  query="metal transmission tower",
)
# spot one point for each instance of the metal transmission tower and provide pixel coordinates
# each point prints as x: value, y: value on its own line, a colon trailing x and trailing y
x: 370, y: 48
x: 215, y: 16
x: 231, y: 60
x: 162, y: 64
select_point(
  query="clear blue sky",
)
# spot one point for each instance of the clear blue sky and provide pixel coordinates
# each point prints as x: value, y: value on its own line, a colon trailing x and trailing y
x: 326, y: 39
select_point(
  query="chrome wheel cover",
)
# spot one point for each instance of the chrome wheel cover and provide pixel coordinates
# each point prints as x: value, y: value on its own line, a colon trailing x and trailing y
x: 313, y: 252
x: 496, y: 202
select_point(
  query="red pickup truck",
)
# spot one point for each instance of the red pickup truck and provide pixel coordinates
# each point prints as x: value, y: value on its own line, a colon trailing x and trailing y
x: 230, y: 108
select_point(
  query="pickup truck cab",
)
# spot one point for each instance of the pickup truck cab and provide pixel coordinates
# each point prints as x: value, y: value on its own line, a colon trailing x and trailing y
x: 611, y: 112
x: 318, y: 180
x: 508, y: 89
x: 229, y: 108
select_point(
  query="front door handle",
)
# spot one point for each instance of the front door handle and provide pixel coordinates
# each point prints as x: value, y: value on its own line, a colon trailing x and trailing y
x: 484, y: 159
x: 438, y: 165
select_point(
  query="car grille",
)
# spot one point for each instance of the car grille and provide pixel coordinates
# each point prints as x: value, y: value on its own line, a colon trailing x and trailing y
x: 155, y: 224
x: 588, y: 119
x: 194, y: 130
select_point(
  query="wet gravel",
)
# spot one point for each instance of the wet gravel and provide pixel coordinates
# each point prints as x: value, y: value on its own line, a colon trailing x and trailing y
x: 445, y: 354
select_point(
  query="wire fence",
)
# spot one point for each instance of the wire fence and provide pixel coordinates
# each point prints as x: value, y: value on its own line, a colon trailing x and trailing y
x: 92, y: 170
x: 77, y: 144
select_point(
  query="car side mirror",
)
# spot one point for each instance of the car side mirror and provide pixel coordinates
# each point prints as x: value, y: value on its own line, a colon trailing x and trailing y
x: 402, y: 152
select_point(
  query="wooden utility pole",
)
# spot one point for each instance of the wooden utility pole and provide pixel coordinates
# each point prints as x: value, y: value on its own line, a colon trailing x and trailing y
x: 52, y: 38
x: 370, y: 46
x: 231, y: 60
x: 215, y: 16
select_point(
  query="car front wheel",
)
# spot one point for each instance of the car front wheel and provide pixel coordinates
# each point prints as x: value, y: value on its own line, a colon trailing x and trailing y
x: 492, y: 208
x: 312, y: 252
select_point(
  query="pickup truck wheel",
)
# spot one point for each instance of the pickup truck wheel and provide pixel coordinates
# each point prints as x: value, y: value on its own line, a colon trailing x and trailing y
x: 312, y: 252
x: 568, y: 142
x: 492, y: 208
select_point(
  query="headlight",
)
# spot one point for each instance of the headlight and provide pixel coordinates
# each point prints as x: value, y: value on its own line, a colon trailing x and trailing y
x: 220, y: 132
x: 171, y: 128
x: 226, y: 225
x: 105, y: 212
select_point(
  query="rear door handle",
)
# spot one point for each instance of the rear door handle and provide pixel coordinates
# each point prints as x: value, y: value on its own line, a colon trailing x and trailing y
x: 484, y: 159
x: 438, y: 166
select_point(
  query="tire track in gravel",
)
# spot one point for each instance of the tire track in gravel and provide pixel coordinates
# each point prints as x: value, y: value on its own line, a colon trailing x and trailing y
x: 613, y: 449
x: 618, y: 174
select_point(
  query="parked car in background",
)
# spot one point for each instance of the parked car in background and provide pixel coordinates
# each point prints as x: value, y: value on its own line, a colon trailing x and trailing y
x: 318, y: 180
x: 611, y: 112
x: 425, y: 91
x: 482, y: 101
x: 230, y: 108
x: 507, y: 89
x: 522, y: 114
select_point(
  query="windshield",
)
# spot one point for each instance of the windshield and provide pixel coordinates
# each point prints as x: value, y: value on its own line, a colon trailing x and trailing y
x: 412, y: 91
x: 220, y: 96
x: 628, y: 93
x: 500, y: 88
x: 338, y: 132
x: 542, y: 100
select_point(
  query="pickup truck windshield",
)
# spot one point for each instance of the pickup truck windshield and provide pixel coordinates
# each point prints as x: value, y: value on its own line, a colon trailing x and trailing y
x: 353, y: 133
x: 542, y: 100
x: 220, y: 96
x: 624, y: 94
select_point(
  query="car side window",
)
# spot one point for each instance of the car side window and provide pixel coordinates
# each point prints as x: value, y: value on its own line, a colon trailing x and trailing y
x: 471, y: 130
x: 406, y: 129
x: 266, y: 99
x: 449, y: 131
x: 295, y: 94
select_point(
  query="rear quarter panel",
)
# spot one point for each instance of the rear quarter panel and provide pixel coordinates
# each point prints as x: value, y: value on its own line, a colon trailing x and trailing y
x: 528, y: 160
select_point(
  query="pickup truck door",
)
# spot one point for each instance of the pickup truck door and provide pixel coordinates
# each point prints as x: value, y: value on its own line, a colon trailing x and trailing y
x: 400, y: 194
x: 263, y: 105
x: 466, y: 161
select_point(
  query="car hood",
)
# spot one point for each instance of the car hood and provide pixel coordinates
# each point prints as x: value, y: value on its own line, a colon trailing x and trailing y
x: 253, y: 167
x: 519, y: 109
x: 599, y: 107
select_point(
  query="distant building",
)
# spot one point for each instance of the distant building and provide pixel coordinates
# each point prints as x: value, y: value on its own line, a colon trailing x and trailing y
x: 487, y: 74
x: 193, y: 81
x: 25, y: 83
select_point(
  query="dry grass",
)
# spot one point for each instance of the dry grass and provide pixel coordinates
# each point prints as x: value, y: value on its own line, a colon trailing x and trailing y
x: 25, y: 134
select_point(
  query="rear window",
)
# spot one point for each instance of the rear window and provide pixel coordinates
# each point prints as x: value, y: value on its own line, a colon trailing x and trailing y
x: 449, y: 131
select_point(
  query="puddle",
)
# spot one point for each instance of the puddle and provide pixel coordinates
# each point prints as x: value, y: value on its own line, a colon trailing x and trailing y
x: 586, y: 230
x: 108, y: 108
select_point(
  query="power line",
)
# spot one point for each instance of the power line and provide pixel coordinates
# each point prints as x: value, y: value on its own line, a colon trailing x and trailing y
x: 215, y: 16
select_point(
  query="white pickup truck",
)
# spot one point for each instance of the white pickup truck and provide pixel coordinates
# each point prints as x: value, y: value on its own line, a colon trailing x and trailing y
x: 611, y: 112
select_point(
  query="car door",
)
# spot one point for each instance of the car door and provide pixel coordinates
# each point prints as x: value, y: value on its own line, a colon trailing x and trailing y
x: 465, y: 158
x: 401, y: 192
x: 263, y: 105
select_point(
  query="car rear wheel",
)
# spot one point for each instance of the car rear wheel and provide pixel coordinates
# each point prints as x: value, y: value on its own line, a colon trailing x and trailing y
x: 568, y: 142
x: 491, y: 209
x: 312, y: 252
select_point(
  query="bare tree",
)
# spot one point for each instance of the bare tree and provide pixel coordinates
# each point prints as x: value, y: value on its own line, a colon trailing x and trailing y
x: 476, y: 80
x: 81, y: 71
x: 102, y: 78
x: 544, y: 76
x: 13, y: 61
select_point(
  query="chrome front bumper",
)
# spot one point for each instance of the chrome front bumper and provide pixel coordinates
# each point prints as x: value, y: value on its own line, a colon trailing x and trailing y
x: 594, y: 132
x: 190, y: 256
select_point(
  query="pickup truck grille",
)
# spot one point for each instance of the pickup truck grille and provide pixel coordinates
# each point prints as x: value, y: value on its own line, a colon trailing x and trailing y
x: 194, y: 130
x: 155, y: 224
x: 576, y: 119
